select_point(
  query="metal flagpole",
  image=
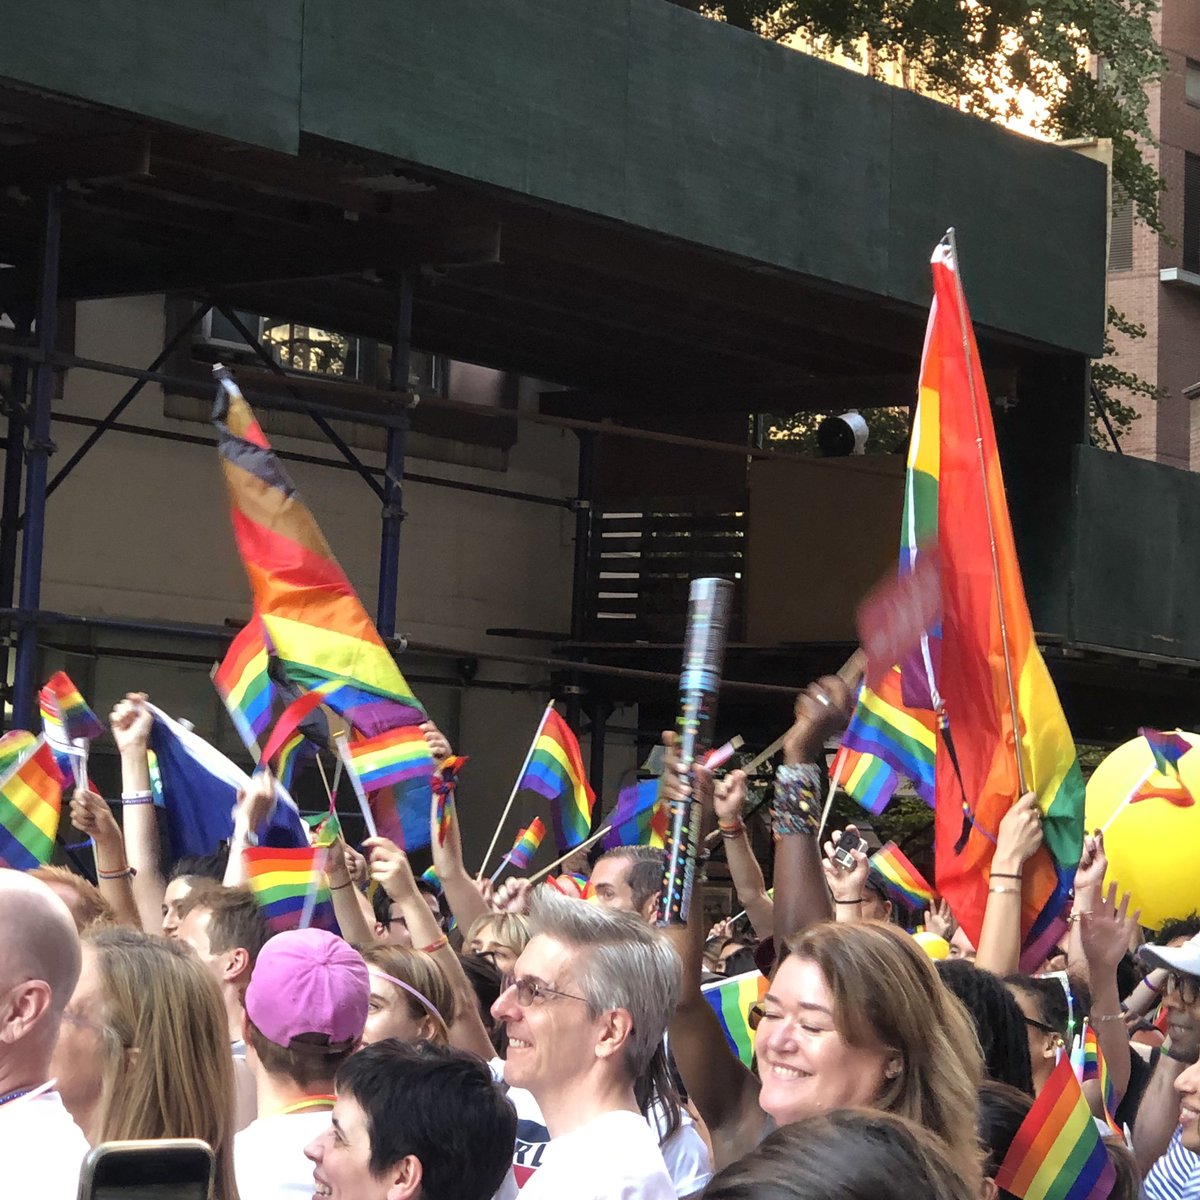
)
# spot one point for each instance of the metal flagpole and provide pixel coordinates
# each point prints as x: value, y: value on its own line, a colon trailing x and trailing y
x: 1008, y: 671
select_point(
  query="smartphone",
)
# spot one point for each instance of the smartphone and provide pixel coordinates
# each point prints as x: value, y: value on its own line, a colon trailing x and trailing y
x: 847, y: 842
x: 170, y: 1169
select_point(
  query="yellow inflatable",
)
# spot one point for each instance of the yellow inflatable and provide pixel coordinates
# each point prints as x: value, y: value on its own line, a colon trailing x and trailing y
x: 1153, y: 840
x: 933, y: 944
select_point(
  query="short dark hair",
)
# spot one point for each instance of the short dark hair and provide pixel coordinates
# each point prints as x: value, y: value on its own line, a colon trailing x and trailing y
x: 1175, y: 927
x: 303, y: 1064
x: 440, y: 1105
x: 236, y: 920
x: 203, y: 866
x: 645, y: 870
x: 381, y: 902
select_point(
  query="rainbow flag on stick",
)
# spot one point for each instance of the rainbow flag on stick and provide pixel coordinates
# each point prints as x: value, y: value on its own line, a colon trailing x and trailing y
x: 1057, y: 1153
x: 1094, y: 1067
x: 865, y: 778
x: 900, y: 877
x: 282, y: 881
x: 243, y: 682
x: 30, y: 803
x: 524, y: 848
x: 731, y: 1000
x: 555, y: 770
x: 316, y: 624
x: 398, y: 756
x: 638, y: 818
x: 68, y: 724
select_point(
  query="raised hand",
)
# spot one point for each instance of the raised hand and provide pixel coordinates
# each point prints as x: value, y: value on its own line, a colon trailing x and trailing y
x: 1093, y: 863
x: 436, y: 740
x: 729, y: 798
x: 846, y: 884
x: 1106, y: 929
x: 131, y: 722
x: 91, y: 815
x: 1019, y: 835
x: 390, y: 868
x: 940, y: 920
x: 821, y: 709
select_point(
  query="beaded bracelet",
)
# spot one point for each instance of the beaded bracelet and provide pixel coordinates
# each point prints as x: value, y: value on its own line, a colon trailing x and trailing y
x: 797, y: 803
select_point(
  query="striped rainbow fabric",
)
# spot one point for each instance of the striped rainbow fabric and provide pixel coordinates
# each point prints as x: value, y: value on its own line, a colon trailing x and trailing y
x: 30, y: 803
x: 526, y: 845
x: 731, y: 1000
x: 14, y: 746
x: 1057, y: 1153
x: 900, y: 877
x: 63, y: 707
x: 638, y: 819
x: 866, y: 778
x: 556, y: 772
x: 1094, y: 1067
x: 395, y: 757
x: 243, y: 682
x: 282, y: 882
x: 316, y: 624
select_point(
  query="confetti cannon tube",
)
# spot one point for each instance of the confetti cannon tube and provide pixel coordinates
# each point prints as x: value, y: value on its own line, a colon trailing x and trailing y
x: 704, y: 649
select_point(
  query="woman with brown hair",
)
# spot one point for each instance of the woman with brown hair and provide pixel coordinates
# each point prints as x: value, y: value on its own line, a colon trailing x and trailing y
x: 411, y: 999
x: 144, y: 1048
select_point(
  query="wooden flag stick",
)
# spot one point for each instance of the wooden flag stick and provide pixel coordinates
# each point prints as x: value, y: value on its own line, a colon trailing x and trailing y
x: 558, y: 862
x: 513, y: 794
x: 343, y: 748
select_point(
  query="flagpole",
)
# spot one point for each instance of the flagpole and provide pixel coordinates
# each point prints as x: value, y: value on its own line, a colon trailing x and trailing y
x: 833, y: 787
x: 343, y: 749
x: 558, y: 862
x: 960, y: 296
x: 537, y: 733
x: 1137, y: 787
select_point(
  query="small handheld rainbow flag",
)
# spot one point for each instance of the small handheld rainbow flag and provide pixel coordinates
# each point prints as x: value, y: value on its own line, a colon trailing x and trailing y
x: 638, y: 819
x: 77, y: 720
x: 555, y: 771
x: 900, y: 877
x: 282, y: 880
x: 526, y: 845
x: 1094, y: 1067
x: 865, y: 778
x: 397, y: 756
x: 1168, y: 749
x: 243, y: 682
x: 731, y: 1000
x: 1057, y: 1153
x: 30, y: 803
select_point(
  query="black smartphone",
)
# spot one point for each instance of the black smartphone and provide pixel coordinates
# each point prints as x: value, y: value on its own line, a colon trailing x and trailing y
x: 170, y: 1169
x: 847, y: 842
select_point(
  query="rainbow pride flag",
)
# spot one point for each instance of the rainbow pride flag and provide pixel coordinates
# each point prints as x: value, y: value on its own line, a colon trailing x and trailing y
x: 555, y: 771
x: 395, y: 757
x: 864, y: 777
x: 30, y: 803
x: 445, y: 782
x: 526, y: 845
x: 1057, y: 1153
x: 900, y: 877
x: 314, y: 620
x: 243, y: 681
x: 902, y: 739
x: 731, y: 1000
x: 282, y: 881
x: 954, y: 491
x: 14, y: 746
x: 638, y: 818
x: 62, y: 704
x: 1094, y: 1067
x: 1168, y: 749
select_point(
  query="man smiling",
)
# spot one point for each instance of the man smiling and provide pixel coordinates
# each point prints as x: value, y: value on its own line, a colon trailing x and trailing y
x: 585, y: 1012
x: 414, y: 1122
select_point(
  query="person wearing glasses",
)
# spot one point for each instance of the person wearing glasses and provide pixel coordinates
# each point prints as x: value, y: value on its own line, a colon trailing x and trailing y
x: 1166, y: 1141
x: 585, y: 1011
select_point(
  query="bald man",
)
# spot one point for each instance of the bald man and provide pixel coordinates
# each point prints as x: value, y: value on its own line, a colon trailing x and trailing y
x: 41, y: 1147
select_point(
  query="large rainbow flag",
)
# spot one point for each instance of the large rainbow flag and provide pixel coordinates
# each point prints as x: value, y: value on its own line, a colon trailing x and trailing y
x: 30, y: 803
x: 731, y: 1000
x: 284, y: 881
x: 316, y: 624
x: 953, y: 506
x: 555, y: 771
x: 243, y: 681
x: 1057, y: 1153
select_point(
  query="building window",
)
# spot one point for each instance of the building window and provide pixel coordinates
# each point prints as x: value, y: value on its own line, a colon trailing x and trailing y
x: 1192, y: 82
x: 1191, y: 213
x: 1120, y: 238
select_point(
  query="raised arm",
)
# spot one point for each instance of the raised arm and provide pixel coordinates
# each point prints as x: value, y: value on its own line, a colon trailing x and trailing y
x: 252, y: 809
x: 1019, y: 836
x: 462, y: 895
x: 1089, y: 886
x: 729, y: 798
x: 348, y: 904
x: 801, y: 898
x: 846, y: 885
x: 391, y: 869
x: 114, y: 876
x: 130, y: 722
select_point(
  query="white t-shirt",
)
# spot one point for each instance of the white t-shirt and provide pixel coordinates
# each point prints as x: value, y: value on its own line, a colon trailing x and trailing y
x: 613, y: 1157
x: 41, y: 1148
x: 686, y: 1156
x: 268, y: 1155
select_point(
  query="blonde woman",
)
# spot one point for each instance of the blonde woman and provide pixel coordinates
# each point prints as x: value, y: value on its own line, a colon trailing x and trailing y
x: 144, y: 1048
x: 500, y: 937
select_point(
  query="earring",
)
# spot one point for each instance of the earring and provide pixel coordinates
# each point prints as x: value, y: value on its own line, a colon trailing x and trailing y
x: 892, y: 1069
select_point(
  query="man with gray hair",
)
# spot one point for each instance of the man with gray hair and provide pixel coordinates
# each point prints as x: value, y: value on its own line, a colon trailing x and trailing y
x: 40, y: 1145
x: 585, y: 1012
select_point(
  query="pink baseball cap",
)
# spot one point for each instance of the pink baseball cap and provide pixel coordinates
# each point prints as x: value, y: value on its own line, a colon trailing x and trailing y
x: 309, y: 982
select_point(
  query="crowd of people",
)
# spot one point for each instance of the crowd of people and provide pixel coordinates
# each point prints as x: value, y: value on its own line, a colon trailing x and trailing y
x: 459, y: 1042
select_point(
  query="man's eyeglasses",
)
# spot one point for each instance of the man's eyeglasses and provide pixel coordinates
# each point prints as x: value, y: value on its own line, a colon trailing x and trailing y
x: 530, y: 990
x: 1188, y: 987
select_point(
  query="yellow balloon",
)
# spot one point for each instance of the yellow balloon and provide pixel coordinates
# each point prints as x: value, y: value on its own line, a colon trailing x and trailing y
x: 1151, y: 841
x: 933, y: 944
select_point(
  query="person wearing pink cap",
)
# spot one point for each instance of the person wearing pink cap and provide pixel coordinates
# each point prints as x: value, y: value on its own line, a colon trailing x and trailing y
x: 306, y: 1005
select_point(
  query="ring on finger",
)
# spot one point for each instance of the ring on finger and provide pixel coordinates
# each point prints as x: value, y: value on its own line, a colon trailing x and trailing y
x: 823, y: 699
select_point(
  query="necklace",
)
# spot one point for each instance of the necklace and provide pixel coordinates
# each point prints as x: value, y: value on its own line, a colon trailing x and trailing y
x: 309, y: 1102
x: 14, y: 1095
